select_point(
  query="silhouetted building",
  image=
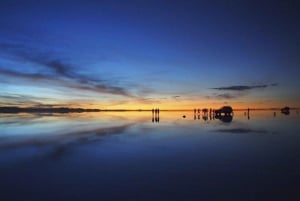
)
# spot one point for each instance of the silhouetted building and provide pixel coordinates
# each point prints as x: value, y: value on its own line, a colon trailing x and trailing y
x: 285, y: 110
x: 225, y: 110
x: 224, y: 114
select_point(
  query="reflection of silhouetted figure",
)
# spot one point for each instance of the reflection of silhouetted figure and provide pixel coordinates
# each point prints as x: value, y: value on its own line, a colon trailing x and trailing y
x: 152, y: 114
x: 198, y: 110
x: 205, y: 117
x: 248, y: 113
x: 274, y: 114
x: 196, y: 116
x: 205, y: 114
x: 155, y: 115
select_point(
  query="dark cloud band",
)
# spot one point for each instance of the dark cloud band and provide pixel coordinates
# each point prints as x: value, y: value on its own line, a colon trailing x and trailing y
x: 244, y: 87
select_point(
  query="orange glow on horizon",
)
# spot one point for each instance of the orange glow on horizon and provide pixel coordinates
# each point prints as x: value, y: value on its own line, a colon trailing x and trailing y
x: 168, y: 105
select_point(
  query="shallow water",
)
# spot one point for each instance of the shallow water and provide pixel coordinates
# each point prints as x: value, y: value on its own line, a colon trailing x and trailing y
x: 137, y: 156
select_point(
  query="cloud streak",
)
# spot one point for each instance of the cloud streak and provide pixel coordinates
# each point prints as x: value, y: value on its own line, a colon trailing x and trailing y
x: 244, y: 87
x: 46, y: 80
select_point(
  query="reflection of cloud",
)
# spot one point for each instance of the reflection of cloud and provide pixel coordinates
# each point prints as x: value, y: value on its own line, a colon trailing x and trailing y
x: 244, y: 87
x: 65, y: 138
x: 242, y: 131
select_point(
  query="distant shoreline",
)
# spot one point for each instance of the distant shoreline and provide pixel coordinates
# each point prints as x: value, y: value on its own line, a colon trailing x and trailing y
x: 15, y: 110
x: 45, y: 110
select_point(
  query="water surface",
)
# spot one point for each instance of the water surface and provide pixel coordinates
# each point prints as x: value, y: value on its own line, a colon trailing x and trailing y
x: 137, y: 156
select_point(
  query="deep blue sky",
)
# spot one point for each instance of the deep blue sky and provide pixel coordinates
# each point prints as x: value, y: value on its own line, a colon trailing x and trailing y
x: 140, y: 54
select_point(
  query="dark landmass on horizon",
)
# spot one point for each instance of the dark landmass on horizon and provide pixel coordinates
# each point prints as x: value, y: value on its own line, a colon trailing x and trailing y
x: 45, y: 110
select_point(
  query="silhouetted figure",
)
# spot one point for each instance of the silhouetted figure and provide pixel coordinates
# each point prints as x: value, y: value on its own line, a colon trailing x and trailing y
x: 195, y: 111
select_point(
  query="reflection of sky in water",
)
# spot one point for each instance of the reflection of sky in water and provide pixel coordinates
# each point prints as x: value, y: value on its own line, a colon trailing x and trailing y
x: 127, y: 156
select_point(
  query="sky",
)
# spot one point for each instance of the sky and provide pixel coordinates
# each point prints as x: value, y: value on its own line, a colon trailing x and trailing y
x: 148, y: 54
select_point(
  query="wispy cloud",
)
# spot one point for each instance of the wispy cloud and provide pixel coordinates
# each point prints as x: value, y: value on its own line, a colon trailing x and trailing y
x: 244, y: 87
x: 47, y: 80
x: 227, y: 96
x: 61, y: 73
x: 29, y: 101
